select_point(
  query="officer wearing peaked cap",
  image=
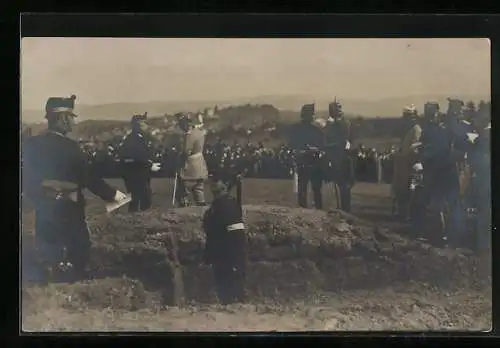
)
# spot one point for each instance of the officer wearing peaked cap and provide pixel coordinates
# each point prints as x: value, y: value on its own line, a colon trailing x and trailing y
x: 54, y: 175
x: 307, y: 142
x: 338, y: 143
x: 138, y: 162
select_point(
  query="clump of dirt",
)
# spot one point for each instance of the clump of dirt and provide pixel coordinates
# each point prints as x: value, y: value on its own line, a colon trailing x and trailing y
x: 292, y: 253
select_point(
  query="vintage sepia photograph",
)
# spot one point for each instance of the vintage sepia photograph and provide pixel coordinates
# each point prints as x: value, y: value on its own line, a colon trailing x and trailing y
x: 211, y: 184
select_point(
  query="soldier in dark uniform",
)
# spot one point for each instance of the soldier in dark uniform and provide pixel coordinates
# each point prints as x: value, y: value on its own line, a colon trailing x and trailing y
x: 338, y: 144
x: 440, y: 153
x: 55, y: 173
x: 226, y: 243
x: 137, y: 162
x: 307, y: 140
x: 480, y: 160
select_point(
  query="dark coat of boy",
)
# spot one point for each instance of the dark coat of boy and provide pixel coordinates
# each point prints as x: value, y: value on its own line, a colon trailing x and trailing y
x: 226, y: 244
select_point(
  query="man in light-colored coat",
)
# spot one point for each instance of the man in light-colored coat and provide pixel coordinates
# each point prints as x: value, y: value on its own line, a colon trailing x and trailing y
x: 413, y: 135
x: 192, y: 168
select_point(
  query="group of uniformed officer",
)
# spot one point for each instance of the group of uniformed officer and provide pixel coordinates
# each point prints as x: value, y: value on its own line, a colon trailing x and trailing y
x: 447, y: 147
x: 322, y: 155
x: 54, y: 183
x: 55, y: 172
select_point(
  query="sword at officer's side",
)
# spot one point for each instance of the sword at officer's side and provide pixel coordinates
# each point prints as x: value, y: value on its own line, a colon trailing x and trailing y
x: 295, y: 181
x: 337, y: 196
x: 239, y: 185
x: 175, y: 188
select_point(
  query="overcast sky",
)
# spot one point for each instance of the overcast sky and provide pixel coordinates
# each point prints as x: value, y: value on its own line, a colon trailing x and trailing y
x: 107, y: 70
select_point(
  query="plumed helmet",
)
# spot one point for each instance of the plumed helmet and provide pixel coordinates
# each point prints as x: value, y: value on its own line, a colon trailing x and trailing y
x: 335, y: 108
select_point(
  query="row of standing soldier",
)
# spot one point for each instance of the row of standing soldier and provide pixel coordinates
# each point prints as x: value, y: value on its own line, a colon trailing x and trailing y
x: 322, y: 155
x: 450, y: 162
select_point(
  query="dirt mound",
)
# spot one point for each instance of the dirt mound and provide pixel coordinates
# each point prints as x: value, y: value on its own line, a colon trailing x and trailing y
x: 292, y: 253
x: 112, y: 293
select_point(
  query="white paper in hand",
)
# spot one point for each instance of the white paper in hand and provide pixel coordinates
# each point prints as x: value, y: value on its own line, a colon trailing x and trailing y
x: 110, y: 207
x: 155, y: 167
x: 472, y: 137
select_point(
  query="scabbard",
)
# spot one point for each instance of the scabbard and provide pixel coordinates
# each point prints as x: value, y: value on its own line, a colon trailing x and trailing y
x: 239, y: 192
x: 295, y: 182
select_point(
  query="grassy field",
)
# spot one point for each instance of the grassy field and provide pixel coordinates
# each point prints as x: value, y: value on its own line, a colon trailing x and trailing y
x: 409, y: 306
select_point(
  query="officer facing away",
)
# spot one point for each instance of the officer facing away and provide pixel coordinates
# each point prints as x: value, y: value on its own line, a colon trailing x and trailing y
x: 306, y: 140
x: 137, y: 158
x: 191, y: 166
x: 480, y: 160
x: 226, y: 244
x: 338, y: 144
x: 55, y: 173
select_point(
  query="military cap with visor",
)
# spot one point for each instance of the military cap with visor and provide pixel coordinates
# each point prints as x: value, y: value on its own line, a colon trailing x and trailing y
x: 61, y: 105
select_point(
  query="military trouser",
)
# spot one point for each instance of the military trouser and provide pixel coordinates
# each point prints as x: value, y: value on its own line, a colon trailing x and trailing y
x: 417, y: 211
x: 195, y: 187
x: 138, y: 183
x: 341, y: 173
x: 483, y: 189
x: 345, y: 196
x: 308, y: 174
x: 61, y: 241
x: 230, y: 270
x: 445, y: 197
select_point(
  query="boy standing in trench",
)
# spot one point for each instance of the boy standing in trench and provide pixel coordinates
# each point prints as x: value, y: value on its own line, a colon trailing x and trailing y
x: 226, y: 244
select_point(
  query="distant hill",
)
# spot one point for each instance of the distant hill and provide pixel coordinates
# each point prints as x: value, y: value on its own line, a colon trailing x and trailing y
x: 390, y: 107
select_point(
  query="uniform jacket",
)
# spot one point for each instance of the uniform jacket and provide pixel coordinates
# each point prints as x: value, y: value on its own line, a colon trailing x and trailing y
x: 136, y: 148
x: 436, y: 141
x: 52, y: 156
x: 480, y: 155
x: 459, y: 130
x: 337, y: 132
x: 221, y: 222
x: 412, y: 137
x: 192, y: 165
x: 304, y: 134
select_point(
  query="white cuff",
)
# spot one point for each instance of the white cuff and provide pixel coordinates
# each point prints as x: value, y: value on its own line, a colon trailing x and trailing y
x: 236, y: 227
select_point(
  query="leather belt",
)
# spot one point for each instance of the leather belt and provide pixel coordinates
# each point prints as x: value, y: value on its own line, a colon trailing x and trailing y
x: 60, y: 190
